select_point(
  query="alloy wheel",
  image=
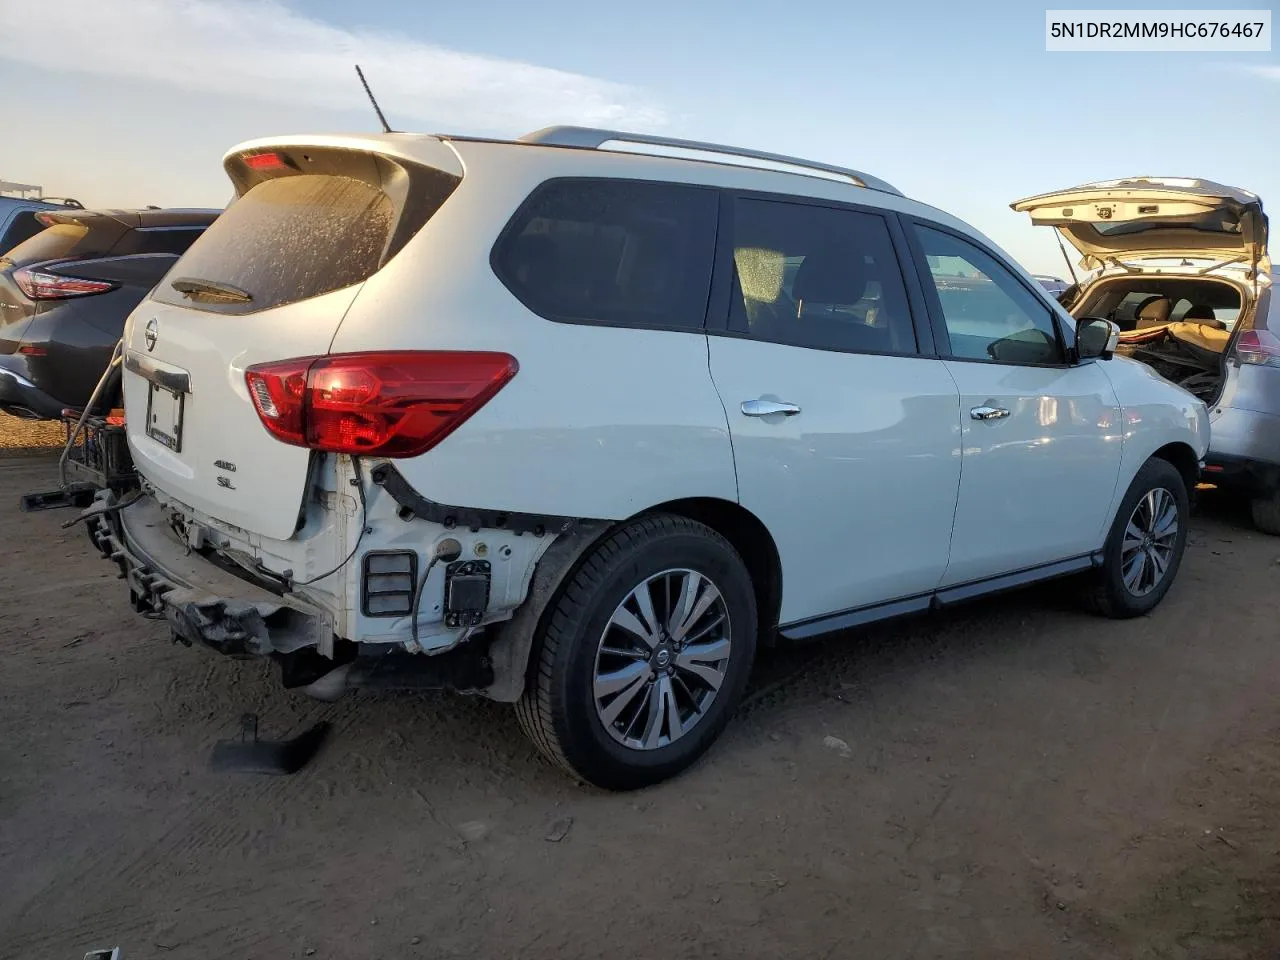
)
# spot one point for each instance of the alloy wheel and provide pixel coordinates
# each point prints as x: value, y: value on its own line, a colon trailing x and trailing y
x: 1149, y: 541
x: 662, y: 659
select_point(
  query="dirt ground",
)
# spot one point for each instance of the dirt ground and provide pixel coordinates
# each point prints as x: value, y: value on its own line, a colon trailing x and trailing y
x: 1015, y: 780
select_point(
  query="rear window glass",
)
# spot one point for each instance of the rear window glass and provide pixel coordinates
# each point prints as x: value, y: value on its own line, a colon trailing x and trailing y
x: 1212, y: 222
x: 52, y: 243
x: 615, y: 252
x: 22, y: 227
x: 288, y: 239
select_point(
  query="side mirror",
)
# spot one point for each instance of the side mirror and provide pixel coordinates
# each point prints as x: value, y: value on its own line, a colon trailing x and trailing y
x: 1096, y: 337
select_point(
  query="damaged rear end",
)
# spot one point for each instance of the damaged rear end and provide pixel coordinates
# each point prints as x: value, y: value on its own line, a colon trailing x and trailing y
x: 269, y: 517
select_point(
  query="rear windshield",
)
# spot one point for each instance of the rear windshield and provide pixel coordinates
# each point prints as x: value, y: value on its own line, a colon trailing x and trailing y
x: 52, y: 243
x: 23, y: 226
x: 1212, y: 222
x: 288, y: 239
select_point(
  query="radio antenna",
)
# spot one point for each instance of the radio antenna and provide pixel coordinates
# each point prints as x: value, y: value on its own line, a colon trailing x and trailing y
x: 386, y: 127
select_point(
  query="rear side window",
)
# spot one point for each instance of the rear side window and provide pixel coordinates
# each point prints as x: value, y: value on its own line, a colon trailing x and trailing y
x: 52, y: 243
x: 174, y: 240
x: 820, y: 277
x: 617, y: 252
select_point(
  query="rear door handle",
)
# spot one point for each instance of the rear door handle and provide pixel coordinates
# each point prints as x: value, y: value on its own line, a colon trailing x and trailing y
x: 988, y: 413
x: 763, y: 408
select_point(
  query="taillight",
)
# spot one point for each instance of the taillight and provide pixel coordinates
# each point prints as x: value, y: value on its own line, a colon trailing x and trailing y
x: 277, y: 390
x: 375, y: 404
x: 39, y: 285
x: 1258, y: 347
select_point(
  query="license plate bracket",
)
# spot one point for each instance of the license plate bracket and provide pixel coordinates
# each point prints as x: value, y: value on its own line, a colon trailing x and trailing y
x: 164, y: 417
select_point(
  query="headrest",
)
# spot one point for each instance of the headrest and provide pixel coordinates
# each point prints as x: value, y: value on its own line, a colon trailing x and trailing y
x: 832, y: 276
x: 1153, y: 310
x: 1200, y: 312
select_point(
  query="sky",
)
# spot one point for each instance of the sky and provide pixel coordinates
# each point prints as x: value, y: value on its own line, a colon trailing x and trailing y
x: 134, y: 102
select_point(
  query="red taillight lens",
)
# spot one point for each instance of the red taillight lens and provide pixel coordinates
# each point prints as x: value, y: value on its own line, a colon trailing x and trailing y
x: 277, y: 390
x: 1258, y: 346
x: 39, y: 285
x: 375, y: 404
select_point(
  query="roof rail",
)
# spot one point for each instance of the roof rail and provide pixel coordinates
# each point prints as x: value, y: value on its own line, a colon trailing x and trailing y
x: 591, y: 138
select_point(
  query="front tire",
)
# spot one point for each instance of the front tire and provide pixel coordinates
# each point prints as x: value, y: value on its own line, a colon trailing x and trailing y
x: 1145, y: 545
x: 644, y: 656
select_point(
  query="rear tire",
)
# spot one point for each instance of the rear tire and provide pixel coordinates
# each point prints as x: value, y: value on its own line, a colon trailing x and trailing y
x: 644, y: 656
x: 1266, y: 513
x: 1145, y: 545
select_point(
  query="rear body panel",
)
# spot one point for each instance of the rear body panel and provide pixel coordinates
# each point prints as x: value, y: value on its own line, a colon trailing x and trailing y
x: 62, y: 346
x: 1246, y: 418
x: 223, y: 462
x: 261, y: 489
x: 75, y: 337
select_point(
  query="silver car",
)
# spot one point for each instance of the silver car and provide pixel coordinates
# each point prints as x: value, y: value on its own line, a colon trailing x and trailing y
x: 1181, y: 265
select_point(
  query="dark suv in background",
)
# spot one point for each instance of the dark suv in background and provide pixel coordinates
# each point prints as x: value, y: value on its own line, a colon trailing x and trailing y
x: 19, y: 218
x: 65, y: 294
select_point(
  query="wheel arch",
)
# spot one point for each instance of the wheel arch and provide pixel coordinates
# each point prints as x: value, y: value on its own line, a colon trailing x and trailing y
x: 748, y: 535
x: 1183, y: 458
x: 512, y: 647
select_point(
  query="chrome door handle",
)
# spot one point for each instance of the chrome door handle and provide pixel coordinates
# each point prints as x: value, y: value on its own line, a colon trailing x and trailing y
x: 763, y: 408
x: 988, y: 413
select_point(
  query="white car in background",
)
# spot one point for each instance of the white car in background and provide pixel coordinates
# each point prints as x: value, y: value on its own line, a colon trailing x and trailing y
x: 581, y: 428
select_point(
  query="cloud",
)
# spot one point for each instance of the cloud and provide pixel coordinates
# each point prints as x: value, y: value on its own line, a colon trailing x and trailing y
x: 1270, y: 73
x: 260, y: 49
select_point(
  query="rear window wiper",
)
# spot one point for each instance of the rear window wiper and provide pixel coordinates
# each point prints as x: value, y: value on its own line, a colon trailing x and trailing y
x: 210, y: 291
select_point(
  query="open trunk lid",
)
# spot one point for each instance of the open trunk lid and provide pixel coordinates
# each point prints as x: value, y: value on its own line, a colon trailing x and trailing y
x: 1153, y: 217
x: 270, y: 280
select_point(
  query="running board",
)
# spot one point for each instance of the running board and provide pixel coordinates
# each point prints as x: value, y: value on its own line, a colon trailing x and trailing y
x: 937, y: 599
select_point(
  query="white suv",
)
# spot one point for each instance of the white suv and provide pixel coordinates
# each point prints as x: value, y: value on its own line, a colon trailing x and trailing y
x: 579, y: 427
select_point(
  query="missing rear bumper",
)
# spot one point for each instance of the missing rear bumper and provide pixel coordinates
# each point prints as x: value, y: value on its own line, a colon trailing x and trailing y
x: 201, y: 602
